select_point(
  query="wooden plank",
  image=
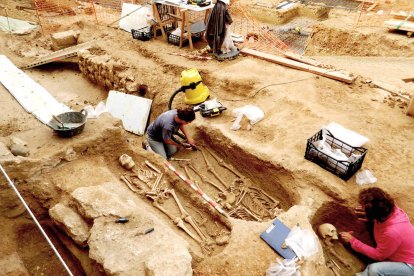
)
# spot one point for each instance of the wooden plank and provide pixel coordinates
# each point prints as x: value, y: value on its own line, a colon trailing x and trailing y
x: 395, y: 91
x: 372, y: 7
x: 302, y: 59
x: 395, y: 24
x: 403, y: 15
x: 410, y: 109
x: 408, y: 80
x: 60, y: 55
x: 337, y: 75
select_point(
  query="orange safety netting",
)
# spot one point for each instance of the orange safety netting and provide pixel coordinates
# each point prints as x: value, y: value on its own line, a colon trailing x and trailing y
x: 56, y: 15
x: 256, y: 35
x: 373, y: 13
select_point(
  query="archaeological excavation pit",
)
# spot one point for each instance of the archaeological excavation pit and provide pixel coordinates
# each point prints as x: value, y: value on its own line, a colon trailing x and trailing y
x: 108, y: 219
x: 342, y: 259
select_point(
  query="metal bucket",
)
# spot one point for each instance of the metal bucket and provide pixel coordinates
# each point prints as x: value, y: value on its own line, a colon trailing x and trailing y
x: 70, y: 123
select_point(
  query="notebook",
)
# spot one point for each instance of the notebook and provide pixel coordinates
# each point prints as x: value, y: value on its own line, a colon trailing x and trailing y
x: 275, y: 236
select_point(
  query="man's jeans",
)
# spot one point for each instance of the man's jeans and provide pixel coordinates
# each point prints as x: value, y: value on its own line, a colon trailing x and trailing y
x: 388, y: 269
x: 161, y: 148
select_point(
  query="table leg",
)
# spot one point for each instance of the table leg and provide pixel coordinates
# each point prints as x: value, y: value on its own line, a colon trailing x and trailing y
x: 158, y: 18
x: 206, y: 16
x: 187, y: 23
x: 183, y: 18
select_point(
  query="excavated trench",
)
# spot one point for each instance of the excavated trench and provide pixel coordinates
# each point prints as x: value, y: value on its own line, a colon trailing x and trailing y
x: 249, y: 189
x: 342, y: 258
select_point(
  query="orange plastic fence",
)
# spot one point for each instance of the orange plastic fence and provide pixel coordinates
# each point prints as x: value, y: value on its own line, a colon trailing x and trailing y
x: 256, y: 35
x: 58, y: 15
x: 373, y: 13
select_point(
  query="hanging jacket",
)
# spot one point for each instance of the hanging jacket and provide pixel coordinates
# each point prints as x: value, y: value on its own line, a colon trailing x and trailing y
x: 216, y: 26
x: 394, y: 238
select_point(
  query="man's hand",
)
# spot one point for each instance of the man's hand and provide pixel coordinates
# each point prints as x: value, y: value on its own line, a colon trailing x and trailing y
x: 187, y: 146
x: 346, y: 236
x: 191, y: 142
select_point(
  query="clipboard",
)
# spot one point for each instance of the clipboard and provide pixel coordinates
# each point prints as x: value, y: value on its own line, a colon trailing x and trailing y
x: 275, y: 236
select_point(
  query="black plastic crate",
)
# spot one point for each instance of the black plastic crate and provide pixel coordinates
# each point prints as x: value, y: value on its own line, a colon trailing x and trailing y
x: 143, y: 34
x: 175, y: 40
x: 343, y: 169
x: 197, y: 36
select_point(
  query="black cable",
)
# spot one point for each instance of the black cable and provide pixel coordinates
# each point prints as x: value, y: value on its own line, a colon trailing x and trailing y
x: 257, y: 92
x: 172, y: 97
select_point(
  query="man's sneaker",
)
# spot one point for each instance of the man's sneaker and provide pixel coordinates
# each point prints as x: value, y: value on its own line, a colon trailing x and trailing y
x: 146, y: 146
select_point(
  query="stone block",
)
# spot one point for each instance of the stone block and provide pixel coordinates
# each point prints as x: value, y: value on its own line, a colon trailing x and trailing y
x: 64, y: 39
x: 70, y: 222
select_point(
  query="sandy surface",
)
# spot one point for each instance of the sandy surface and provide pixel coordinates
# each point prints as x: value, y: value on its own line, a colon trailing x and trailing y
x: 296, y: 105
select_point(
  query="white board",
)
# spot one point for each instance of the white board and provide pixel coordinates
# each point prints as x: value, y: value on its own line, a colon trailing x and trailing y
x: 137, y: 19
x: 32, y: 96
x: 132, y: 110
x: 345, y: 135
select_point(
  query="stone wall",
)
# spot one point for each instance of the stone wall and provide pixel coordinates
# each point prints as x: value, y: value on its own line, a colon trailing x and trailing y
x: 106, y: 71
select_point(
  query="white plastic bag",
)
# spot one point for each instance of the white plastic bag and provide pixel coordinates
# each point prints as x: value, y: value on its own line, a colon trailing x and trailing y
x: 94, y: 113
x: 211, y: 104
x: 228, y: 44
x: 252, y: 112
x: 283, y: 268
x: 365, y: 177
x: 302, y: 241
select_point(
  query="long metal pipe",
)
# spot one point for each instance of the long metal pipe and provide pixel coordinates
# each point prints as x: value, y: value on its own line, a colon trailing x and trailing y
x: 35, y: 220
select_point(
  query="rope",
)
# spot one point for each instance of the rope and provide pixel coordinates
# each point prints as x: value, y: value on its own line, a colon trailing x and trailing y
x: 35, y: 220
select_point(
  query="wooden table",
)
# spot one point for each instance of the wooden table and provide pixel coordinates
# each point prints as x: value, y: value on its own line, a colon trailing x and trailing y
x: 182, y: 15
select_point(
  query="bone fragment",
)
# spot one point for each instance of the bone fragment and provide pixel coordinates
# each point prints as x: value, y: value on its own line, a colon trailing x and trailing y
x: 251, y: 214
x: 263, y: 192
x: 180, y: 206
x: 189, y: 219
x: 225, y: 165
x: 189, y: 177
x: 179, y: 159
x: 132, y: 188
x: 179, y: 222
x: 335, y: 264
x: 159, y: 207
x: 329, y: 265
x: 157, y: 182
x: 212, y: 170
x: 152, y: 166
x: 242, y: 194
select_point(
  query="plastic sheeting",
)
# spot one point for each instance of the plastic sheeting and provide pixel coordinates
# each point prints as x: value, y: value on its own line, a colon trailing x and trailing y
x: 16, y: 26
x: 32, y: 96
x: 138, y: 18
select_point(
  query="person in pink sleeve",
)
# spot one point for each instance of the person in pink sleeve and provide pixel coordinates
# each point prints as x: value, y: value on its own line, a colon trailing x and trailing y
x: 393, y: 234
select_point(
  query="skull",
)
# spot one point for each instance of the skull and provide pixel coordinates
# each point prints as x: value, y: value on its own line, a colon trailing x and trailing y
x: 327, y: 231
x: 126, y: 161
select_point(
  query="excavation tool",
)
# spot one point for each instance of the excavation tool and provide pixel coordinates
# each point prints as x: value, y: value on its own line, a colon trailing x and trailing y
x: 183, y: 141
x: 146, y: 231
x: 195, y: 188
x: 122, y: 220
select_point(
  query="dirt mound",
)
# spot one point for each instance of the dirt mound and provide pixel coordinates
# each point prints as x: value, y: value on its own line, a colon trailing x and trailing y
x: 329, y: 40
